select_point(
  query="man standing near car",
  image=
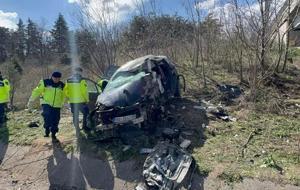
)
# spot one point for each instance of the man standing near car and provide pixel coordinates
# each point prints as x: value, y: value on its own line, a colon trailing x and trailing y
x: 52, y: 93
x: 77, y: 94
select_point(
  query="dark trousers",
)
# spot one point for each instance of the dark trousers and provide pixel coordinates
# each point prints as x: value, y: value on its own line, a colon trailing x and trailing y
x: 2, y: 112
x: 75, y: 109
x: 51, y: 119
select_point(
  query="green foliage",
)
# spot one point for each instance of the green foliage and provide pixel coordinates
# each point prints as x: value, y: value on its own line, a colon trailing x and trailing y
x: 156, y: 32
x: 293, y: 52
x: 86, y: 43
x: 272, y: 149
x: 16, y: 67
x: 4, y: 43
x: 60, y: 34
x: 231, y: 177
x: 21, y: 40
x: 33, y: 39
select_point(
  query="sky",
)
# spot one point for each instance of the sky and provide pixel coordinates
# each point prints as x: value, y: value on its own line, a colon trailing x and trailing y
x: 45, y: 12
x: 41, y: 11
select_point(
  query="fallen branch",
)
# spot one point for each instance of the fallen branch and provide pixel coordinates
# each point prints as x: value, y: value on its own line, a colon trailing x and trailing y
x: 247, y: 142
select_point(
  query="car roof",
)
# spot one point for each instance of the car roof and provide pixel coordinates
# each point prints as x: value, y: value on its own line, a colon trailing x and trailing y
x: 136, y: 63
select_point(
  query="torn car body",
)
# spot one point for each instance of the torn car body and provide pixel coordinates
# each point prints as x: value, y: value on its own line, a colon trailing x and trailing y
x: 136, y: 92
x: 167, y: 166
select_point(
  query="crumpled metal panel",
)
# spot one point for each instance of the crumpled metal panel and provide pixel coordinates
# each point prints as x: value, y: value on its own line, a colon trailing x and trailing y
x: 167, y: 166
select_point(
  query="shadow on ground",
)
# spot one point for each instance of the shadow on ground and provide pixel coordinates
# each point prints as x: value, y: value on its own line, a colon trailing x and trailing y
x: 4, y: 138
x: 109, y: 165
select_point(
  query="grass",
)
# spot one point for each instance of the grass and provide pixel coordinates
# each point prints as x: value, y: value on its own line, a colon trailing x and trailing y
x: 271, y: 154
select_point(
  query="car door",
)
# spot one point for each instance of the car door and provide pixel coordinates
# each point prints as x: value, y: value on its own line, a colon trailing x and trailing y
x: 94, y: 91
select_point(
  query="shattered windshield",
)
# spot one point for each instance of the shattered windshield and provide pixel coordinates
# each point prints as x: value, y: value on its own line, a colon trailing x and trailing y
x: 124, y: 77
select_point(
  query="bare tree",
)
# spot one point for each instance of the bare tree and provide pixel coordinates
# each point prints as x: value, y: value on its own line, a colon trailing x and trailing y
x: 101, y: 23
x: 196, y: 15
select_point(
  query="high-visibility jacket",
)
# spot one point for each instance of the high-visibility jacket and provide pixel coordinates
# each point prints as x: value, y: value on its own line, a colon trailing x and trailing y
x: 100, y: 84
x: 4, y: 91
x: 77, y: 90
x: 52, y: 93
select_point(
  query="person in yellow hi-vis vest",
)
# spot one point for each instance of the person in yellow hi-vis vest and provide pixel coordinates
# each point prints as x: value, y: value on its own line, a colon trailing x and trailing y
x: 102, y: 84
x: 4, y: 97
x: 78, y: 97
x: 53, y: 95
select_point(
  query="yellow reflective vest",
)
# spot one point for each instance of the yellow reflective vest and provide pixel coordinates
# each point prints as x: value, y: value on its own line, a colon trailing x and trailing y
x: 4, y: 91
x: 77, y: 90
x: 52, y: 93
x: 100, y: 83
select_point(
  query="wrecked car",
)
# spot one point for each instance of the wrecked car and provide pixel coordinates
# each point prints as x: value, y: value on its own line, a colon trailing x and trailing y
x: 167, y: 167
x: 137, y: 92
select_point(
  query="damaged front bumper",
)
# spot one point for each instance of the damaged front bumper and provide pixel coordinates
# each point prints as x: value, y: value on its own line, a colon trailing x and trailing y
x: 122, y: 115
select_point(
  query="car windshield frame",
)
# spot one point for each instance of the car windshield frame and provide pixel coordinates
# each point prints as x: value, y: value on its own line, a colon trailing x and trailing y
x: 122, y: 77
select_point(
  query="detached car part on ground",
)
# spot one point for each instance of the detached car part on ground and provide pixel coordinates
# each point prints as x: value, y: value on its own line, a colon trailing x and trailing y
x: 136, y: 93
x: 167, y: 167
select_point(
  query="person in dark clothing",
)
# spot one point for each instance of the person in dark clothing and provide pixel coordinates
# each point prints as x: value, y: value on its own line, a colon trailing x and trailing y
x: 52, y: 92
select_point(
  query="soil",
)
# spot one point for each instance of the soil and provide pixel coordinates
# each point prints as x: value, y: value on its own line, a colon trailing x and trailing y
x: 45, y: 165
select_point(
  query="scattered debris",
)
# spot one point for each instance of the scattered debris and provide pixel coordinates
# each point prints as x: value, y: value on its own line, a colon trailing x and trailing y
x: 170, y: 134
x: 14, y: 182
x: 146, y: 150
x: 230, y: 91
x: 217, y: 111
x: 126, y: 147
x: 167, y: 166
x: 199, y: 107
x: 187, y: 133
x: 33, y: 124
x: 141, y: 186
x: 173, y: 106
x: 185, y: 143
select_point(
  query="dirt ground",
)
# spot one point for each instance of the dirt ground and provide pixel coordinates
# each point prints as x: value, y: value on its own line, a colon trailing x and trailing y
x: 46, y: 165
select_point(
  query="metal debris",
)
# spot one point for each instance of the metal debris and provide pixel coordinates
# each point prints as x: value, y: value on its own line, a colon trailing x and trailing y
x: 217, y: 111
x: 141, y: 187
x: 146, y: 150
x: 167, y: 166
x: 185, y: 143
x: 126, y: 147
x: 230, y: 91
x: 199, y: 107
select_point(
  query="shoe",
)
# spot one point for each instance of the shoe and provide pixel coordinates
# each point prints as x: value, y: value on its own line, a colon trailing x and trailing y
x: 53, y: 137
x: 46, y: 135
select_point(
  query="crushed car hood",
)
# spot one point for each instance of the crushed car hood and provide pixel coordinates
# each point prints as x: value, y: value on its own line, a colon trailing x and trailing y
x: 125, y: 95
